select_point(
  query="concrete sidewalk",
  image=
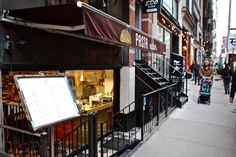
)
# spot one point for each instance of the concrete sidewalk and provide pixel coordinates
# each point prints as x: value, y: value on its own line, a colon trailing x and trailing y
x: 196, y: 130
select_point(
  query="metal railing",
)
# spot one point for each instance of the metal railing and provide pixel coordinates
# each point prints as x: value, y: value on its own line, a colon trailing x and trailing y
x: 20, y: 140
x: 73, y: 142
x: 23, y: 143
x: 110, y: 137
x: 157, y: 105
x: 163, y: 68
x: 119, y: 133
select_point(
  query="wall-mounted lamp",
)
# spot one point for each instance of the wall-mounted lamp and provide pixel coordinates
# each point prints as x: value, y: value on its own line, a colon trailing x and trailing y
x: 7, y: 43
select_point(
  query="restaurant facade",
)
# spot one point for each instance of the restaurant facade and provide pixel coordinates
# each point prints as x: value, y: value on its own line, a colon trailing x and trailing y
x: 97, y: 56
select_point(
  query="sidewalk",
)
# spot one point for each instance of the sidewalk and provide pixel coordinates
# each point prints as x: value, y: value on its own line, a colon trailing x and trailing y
x: 196, y: 130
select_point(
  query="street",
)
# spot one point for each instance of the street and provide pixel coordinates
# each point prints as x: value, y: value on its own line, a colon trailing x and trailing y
x: 195, y: 130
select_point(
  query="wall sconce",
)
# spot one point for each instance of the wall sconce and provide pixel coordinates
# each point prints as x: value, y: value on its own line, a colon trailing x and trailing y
x: 7, y: 43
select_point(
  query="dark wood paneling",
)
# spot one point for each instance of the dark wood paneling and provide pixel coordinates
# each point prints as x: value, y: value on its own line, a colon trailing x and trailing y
x: 47, y: 49
x: 19, y: 4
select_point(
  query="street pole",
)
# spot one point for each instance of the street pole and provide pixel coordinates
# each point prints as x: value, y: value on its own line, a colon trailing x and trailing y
x: 229, y: 21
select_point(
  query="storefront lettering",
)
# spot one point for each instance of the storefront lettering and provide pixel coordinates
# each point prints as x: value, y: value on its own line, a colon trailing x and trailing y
x: 151, y: 2
x: 153, y: 46
x: 141, y: 41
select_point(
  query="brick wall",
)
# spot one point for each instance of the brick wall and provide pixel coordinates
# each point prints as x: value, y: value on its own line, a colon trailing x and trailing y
x: 147, y: 23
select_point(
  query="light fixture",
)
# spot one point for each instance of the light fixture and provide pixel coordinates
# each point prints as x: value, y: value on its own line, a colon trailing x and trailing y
x: 7, y: 43
x: 81, y: 76
x: 185, y: 48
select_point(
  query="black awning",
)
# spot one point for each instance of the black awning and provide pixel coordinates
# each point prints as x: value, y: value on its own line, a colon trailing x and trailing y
x: 95, y: 24
x: 66, y: 15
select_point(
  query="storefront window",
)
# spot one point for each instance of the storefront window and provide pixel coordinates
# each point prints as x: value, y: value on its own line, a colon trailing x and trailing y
x: 157, y: 62
x: 93, y: 89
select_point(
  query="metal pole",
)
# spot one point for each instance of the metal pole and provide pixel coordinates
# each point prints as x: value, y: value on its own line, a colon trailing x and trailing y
x: 52, y: 141
x: 92, y: 133
x: 2, y: 140
x: 158, y: 107
x: 229, y: 21
x: 142, y: 118
x: 186, y: 90
x: 43, y: 148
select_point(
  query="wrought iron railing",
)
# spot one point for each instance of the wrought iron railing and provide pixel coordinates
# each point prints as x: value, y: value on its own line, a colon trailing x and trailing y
x: 163, y: 69
x: 157, y: 105
x: 19, y: 142
x: 19, y: 138
x: 74, y: 142
x: 119, y: 133
x: 112, y: 136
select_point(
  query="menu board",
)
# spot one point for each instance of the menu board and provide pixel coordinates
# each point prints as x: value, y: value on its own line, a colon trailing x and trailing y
x: 47, y: 99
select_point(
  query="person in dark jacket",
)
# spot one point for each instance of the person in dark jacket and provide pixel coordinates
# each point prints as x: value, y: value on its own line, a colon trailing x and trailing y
x: 196, y: 71
x: 192, y: 70
x: 226, y: 76
x: 233, y: 89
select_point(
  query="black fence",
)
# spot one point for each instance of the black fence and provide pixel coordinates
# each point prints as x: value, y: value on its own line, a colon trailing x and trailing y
x: 18, y: 136
x: 86, y: 136
x: 157, y: 105
x: 72, y: 141
x: 120, y: 133
x: 92, y: 138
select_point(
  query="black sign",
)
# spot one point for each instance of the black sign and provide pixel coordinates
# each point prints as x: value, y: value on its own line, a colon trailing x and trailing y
x: 151, y: 6
x: 177, y: 65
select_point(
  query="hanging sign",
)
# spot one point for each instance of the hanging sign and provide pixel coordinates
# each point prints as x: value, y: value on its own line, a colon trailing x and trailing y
x: 177, y: 65
x: 151, y: 6
x: 232, y: 42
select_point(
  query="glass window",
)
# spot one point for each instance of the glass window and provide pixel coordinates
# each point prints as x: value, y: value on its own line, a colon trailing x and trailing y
x: 168, y: 4
x: 160, y: 33
x: 167, y: 42
x: 176, y: 9
x: 172, y: 7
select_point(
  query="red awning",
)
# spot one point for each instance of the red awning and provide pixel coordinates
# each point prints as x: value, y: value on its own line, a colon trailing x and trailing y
x: 95, y: 23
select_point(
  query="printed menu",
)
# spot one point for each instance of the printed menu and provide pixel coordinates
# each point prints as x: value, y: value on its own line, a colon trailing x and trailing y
x: 48, y: 100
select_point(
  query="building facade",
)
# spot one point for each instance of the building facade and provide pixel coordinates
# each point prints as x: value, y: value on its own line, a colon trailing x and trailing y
x: 101, y: 67
x: 208, y: 27
x: 192, y: 15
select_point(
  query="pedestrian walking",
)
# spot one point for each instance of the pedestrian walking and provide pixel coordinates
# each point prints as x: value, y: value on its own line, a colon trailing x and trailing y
x: 196, y: 71
x: 226, y: 76
x: 192, y: 70
x: 206, y: 70
x: 233, y: 89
